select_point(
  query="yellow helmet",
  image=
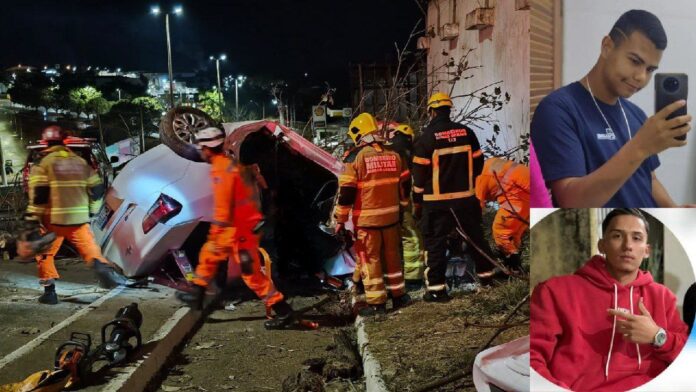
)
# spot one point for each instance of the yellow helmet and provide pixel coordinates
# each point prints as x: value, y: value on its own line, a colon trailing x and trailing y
x: 405, y: 129
x: 438, y: 100
x: 362, y: 125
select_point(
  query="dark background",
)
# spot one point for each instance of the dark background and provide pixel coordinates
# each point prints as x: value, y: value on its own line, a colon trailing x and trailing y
x: 275, y: 39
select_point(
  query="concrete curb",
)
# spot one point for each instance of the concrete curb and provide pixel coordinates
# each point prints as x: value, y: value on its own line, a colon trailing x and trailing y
x: 371, y: 368
x: 137, y: 376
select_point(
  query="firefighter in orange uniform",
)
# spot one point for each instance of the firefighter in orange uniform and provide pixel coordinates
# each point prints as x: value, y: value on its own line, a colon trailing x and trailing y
x: 64, y: 192
x: 446, y: 161
x: 372, y: 186
x: 512, y: 218
x: 233, y: 231
x: 401, y: 141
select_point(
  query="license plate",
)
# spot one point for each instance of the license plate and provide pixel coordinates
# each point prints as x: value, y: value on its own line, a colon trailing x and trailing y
x: 103, y: 216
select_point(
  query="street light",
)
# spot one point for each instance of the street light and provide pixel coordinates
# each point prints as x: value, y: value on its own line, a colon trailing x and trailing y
x: 238, y: 81
x: 178, y: 10
x: 222, y: 57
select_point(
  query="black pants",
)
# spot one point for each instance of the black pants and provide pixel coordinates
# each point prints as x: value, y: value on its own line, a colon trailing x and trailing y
x: 436, y: 224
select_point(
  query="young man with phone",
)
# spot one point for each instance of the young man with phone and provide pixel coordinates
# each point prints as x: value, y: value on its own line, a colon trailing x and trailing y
x: 595, y: 147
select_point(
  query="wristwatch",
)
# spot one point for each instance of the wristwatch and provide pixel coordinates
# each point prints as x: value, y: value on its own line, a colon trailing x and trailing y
x: 660, y: 338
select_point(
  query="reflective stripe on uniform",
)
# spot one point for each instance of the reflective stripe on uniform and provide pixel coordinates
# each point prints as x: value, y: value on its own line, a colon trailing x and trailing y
x: 449, y: 196
x: 68, y: 184
x: 453, y: 150
x: 373, y: 281
x: 438, y: 287
x: 68, y: 210
x: 376, y: 211
x: 35, y: 209
x: 345, y: 179
x: 342, y: 210
x: 436, y: 195
x: 38, y: 179
x: 405, y: 173
x: 378, y: 182
x: 396, y: 286
x: 394, y: 275
x: 375, y: 294
x: 421, y: 161
x: 477, y: 153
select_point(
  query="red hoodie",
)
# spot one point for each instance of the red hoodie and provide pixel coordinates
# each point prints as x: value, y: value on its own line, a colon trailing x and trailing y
x: 572, y: 333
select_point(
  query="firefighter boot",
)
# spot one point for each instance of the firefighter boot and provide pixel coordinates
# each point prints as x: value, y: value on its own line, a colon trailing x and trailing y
x: 284, y: 316
x: 413, y: 284
x: 514, y: 263
x: 49, y: 296
x: 193, y: 299
x: 400, y: 302
x: 373, y: 310
x: 107, y: 276
x: 436, y: 296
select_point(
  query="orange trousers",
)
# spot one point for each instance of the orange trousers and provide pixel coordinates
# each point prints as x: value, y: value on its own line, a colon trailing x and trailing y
x: 80, y: 236
x: 380, y: 258
x: 508, y: 228
x: 219, y: 247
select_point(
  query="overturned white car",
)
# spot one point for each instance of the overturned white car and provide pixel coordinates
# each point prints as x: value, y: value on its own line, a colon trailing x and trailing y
x: 159, y: 207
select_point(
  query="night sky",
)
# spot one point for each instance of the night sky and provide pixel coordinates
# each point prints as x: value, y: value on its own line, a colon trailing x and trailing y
x: 281, y: 39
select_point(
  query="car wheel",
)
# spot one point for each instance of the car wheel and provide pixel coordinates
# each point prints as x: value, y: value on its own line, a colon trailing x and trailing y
x: 178, y: 129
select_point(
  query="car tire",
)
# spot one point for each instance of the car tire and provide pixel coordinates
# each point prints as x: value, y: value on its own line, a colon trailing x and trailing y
x: 178, y: 128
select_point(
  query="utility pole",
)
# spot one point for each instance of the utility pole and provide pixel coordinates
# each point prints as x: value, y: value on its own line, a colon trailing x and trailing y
x: 2, y: 159
x: 142, y: 132
x: 169, y: 63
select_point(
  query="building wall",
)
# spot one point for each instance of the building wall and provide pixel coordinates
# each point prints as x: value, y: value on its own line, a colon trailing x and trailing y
x: 503, y: 53
x: 587, y: 21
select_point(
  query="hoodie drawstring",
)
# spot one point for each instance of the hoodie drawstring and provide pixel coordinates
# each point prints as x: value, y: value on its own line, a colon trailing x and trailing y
x: 613, y: 331
x: 637, y: 347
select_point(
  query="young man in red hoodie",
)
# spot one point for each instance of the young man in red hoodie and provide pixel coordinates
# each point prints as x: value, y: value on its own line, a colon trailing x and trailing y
x: 609, y: 326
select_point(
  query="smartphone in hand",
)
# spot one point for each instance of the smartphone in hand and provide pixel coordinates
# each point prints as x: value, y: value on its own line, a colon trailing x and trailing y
x: 671, y: 87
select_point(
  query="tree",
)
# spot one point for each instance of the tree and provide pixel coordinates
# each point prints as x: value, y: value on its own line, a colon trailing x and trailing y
x: 150, y: 104
x: 130, y: 115
x: 209, y: 102
x: 80, y: 98
x: 29, y: 89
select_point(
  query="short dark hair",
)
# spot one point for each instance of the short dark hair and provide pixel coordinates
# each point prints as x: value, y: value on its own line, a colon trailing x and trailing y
x: 624, y: 211
x: 690, y: 306
x: 442, y: 111
x: 642, y: 21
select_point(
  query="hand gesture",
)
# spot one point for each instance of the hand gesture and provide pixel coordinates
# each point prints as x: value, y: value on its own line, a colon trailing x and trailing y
x: 636, y: 328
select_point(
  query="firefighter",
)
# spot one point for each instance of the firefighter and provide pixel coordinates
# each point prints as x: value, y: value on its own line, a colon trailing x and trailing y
x: 371, y: 186
x: 447, y: 159
x: 507, y: 183
x: 64, y: 192
x: 236, y: 219
x: 401, y: 141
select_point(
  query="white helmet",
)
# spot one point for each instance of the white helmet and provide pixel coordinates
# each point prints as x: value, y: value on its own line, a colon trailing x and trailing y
x: 209, y: 137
